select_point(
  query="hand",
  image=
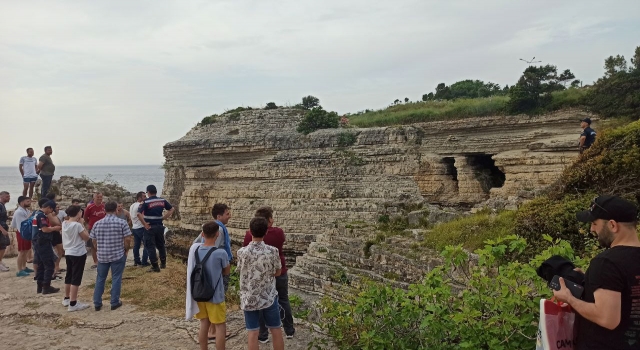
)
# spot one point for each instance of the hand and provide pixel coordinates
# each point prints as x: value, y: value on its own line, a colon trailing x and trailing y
x: 147, y: 226
x: 564, y: 294
x: 578, y: 270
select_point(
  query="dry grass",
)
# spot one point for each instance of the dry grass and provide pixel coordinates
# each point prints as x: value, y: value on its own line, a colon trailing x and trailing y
x: 163, y: 293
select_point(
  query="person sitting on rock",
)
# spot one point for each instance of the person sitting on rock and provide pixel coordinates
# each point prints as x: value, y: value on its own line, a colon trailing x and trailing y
x: 588, y: 136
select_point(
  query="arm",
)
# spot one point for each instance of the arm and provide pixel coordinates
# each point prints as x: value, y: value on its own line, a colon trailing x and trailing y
x: 582, y: 140
x: 168, y: 213
x: 127, y: 244
x: 39, y: 167
x: 144, y: 223
x: 84, y: 235
x: 605, y: 311
x: 278, y: 273
x: 21, y: 169
x: 51, y: 229
x: 129, y: 221
x: 227, y: 270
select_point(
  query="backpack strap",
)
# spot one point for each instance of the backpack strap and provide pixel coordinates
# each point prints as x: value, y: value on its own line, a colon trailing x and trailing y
x: 206, y: 256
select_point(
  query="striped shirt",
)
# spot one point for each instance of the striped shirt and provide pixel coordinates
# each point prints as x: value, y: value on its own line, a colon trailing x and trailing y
x: 109, y: 234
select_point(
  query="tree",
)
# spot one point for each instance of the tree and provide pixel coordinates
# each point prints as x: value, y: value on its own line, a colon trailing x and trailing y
x: 576, y: 83
x: 406, y: 99
x: 396, y: 101
x: 565, y: 77
x: 533, y: 90
x: 310, y: 102
x: 613, y: 65
x: 271, y: 105
x: 635, y: 60
x: 317, y: 118
x: 443, y: 92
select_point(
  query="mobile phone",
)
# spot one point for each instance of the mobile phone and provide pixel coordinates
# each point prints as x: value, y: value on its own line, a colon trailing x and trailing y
x: 575, y: 288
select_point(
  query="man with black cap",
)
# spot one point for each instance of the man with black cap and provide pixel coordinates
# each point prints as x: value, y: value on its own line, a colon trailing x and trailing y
x: 588, y: 136
x: 609, y: 312
x: 151, y: 213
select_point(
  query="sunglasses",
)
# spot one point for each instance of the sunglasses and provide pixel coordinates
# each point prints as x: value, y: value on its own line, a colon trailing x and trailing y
x: 594, y: 203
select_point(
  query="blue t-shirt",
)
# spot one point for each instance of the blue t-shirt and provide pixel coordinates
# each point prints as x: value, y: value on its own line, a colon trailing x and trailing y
x: 213, y: 266
x: 152, y: 209
x: 226, y: 239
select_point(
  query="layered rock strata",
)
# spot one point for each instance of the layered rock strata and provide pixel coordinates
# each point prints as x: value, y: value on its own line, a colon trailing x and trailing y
x: 321, y: 180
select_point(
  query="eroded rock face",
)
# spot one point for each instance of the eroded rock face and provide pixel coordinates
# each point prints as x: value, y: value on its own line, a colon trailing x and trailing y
x: 314, y: 182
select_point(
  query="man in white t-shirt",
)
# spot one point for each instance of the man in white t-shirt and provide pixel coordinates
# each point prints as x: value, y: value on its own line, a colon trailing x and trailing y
x: 24, y: 245
x: 28, y: 169
x: 74, y: 238
x: 137, y: 229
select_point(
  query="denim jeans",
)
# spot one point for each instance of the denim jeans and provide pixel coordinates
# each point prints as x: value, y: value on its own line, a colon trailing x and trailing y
x: 138, y: 234
x: 282, y: 286
x: 154, y: 238
x: 116, y: 267
x: 46, y: 184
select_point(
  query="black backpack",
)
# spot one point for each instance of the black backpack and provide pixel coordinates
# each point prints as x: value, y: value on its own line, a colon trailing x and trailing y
x: 201, y: 289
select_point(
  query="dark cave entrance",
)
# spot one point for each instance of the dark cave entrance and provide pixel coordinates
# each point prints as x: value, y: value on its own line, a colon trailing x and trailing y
x: 486, y: 171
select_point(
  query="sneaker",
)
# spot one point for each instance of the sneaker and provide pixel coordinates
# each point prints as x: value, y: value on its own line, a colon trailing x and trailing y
x: 56, y: 278
x: 22, y: 273
x: 49, y: 290
x: 2, y: 264
x: 3, y: 267
x: 263, y: 341
x: 94, y: 266
x: 28, y: 270
x: 66, y: 301
x: 78, y: 307
x: 154, y: 269
x: 289, y: 336
x: 116, y: 306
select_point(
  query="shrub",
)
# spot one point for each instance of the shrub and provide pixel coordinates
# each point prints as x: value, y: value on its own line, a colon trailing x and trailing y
x: 498, y: 309
x: 556, y: 218
x: 310, y: 102
x: 317, y: 118
x: 238, y: 109
x: 235, y: 116
x: 470, y: 231
x: 346, y: 139
x: 610, y: 166
x: 208, y: 120
x: 271, y: 105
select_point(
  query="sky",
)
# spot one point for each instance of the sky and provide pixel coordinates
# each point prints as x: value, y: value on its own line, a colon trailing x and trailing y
x: 111, y: 82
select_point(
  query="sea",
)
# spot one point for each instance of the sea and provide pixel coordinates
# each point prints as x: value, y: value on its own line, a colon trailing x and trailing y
x: 132, y: 177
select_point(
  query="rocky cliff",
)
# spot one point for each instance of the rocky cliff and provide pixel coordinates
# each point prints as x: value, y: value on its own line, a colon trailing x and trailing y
x: 317, y: 182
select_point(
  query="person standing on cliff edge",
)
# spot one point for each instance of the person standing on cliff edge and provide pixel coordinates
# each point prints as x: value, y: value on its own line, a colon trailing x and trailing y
x: 150, y: 213
x: 28, y: 168
x: 588, y: 136
x: 46, y: 170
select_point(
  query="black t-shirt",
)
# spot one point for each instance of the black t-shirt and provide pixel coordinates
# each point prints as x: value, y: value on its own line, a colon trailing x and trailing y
x: 3, y: 217
x: 590, y: 135
x: 616, y: 269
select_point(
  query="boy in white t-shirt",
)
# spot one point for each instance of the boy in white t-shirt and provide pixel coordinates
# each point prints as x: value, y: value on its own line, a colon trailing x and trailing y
x: 74, y: 236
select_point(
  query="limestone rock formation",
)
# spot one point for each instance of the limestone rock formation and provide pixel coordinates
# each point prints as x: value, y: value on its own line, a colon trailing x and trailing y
x: 316, y: 182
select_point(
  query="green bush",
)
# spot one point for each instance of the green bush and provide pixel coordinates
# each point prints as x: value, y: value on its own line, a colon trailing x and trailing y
x: 208, y: 120
x: 316, y: 119
x: 498, y: 309
x: 616, y: 95
x: 554, y: 217
x: 470, y: 231
x: 610, y: 166
x: 238, y: 109
x: 346, y: 139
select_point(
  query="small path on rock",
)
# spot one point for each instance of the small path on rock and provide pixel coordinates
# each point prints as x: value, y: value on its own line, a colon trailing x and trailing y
x: 32, y: 321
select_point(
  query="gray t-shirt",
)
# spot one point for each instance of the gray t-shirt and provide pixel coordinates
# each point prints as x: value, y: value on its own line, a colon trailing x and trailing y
x: 217, y: 261
x: 47, y: 165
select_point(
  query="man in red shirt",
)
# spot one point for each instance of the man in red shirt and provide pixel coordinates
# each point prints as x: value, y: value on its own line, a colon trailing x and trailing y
x: 275, y: 238
x: 94, y: 212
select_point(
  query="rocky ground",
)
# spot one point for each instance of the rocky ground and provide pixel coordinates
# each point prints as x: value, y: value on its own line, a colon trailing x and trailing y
x: 31, y: 321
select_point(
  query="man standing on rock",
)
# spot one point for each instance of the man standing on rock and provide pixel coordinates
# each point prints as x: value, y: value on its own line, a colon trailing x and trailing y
x: 588, y: 136
x: 94, y: 212
x: 28, y: 168
x: 5, y: 241
x: 24, y: 245
x: 150, y: 213
x: 46, y: 170
x: 275, y: 237
x: 138, y: 232
x: 113, y: 236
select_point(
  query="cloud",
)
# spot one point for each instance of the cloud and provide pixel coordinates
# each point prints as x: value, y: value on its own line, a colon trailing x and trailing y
x: 111, y: 82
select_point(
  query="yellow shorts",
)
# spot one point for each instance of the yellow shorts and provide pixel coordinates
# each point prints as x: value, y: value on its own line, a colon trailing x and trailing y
x: 216, y: 313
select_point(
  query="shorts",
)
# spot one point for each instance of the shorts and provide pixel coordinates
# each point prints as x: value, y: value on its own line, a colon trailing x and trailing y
x: 216, y: 313
x: 75, y: 269
x: 29, y: 179
x: 5, y: 241
x: 271, y: 317
x: 23, y: 244
x: 56, y: 238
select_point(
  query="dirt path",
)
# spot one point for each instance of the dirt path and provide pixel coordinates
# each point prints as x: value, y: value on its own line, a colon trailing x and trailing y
x: 31, y: 321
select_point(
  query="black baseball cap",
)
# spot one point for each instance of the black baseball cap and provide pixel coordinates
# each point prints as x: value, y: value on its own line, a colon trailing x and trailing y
x: 609, y: 208
x: 586, y: 120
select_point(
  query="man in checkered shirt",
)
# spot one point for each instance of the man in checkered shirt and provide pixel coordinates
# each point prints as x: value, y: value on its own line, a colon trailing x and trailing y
x: 111, y: 239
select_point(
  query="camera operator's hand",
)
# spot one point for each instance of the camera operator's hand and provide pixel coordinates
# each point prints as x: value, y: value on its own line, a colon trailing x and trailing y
x: 564, y: 294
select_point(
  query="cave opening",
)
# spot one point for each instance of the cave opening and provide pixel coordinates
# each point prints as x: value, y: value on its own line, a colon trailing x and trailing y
x: 486, y: 171
x: 450, y: 167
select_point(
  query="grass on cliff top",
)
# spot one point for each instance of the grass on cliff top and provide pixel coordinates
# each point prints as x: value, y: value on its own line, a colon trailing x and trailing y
x: 415, y: 112
x: 163, y: 293
x: 470, y: 231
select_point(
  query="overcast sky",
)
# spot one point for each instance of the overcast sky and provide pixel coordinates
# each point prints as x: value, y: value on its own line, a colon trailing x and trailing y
x: 110, y: 82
